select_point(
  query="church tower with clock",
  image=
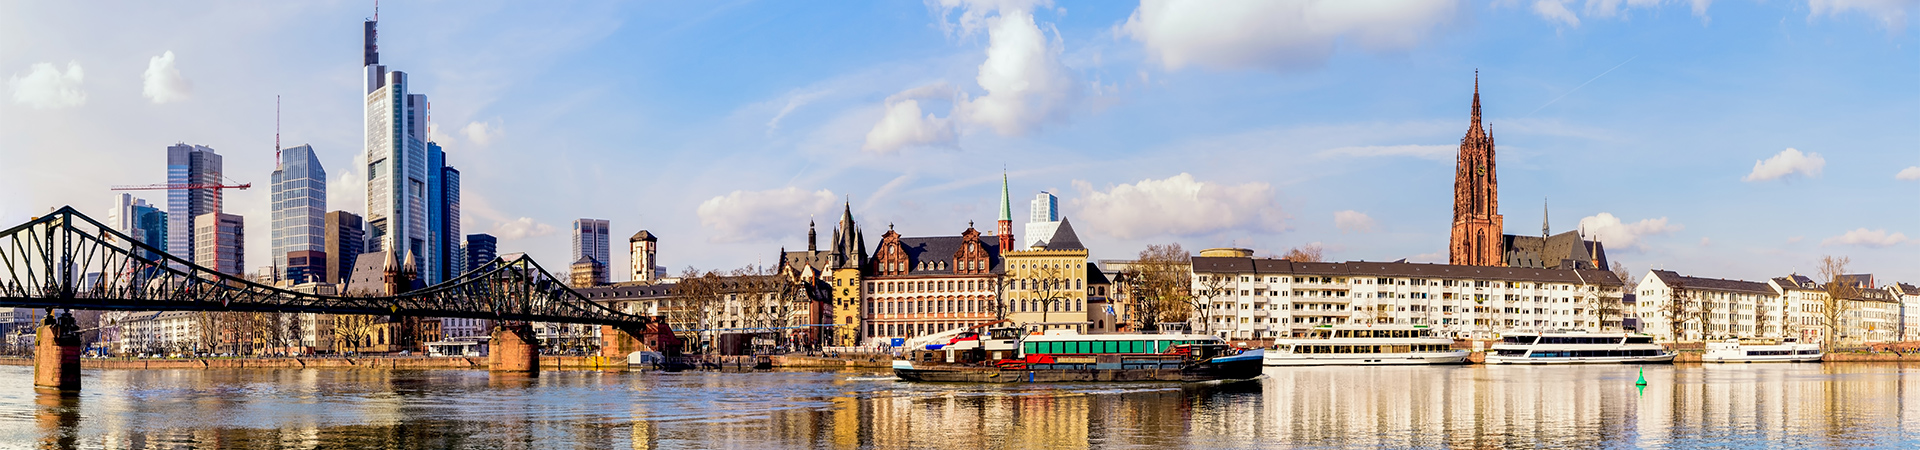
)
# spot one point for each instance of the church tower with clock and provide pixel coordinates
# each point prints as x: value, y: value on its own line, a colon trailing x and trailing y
x: 1477, y: 229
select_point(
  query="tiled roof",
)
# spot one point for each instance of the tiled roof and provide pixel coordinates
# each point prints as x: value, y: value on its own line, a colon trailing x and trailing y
x: 940, y: 249
x: 1205, y: 264
x: 643, y: 235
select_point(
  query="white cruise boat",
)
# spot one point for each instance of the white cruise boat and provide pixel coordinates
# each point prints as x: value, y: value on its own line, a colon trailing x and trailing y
x: 1786, y: 350
x: 1377, y: 345
x: 1577, y: 347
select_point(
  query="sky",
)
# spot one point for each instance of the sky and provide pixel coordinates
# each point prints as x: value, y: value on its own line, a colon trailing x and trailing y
x: 1728, y: 139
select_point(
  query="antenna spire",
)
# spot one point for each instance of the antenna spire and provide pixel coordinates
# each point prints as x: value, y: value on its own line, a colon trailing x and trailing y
x: 276, y: 130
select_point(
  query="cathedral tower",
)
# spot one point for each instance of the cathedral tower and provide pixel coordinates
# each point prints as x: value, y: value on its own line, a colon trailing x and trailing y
x: 1477, y: 229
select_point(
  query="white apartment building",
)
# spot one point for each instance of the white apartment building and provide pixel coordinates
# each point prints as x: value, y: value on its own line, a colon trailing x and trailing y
x: 1873, y: 316
x: 1909, y: 297
x: 1725, y: 308
x: 1240, y: 297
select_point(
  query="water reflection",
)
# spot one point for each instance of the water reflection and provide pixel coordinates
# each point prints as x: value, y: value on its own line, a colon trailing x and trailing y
x: 1470, y: 406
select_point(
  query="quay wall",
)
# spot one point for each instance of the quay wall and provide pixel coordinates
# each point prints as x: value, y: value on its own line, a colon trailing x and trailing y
x: 361, y: 362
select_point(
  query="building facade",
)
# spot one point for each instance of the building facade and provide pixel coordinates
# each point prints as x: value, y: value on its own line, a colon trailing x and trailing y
x: 190, y: 164
x: 345, y: 238
x: 915, y: 286
x: 1045, y: 286
x: 137, y: 219
x: 1707, y: 308
x: 1246, y: 298
x: 481, y: 249
x: 1477, y: 225
x: 299, y: 211
x: 397, y: 166
x: 443, y: 217
x: 222, y: 243
x: 643, y: 255
x: 590, y: 238
x: 1043, y: 218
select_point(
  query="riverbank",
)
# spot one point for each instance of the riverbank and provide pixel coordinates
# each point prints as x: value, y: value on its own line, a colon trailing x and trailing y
x: 423, y: 362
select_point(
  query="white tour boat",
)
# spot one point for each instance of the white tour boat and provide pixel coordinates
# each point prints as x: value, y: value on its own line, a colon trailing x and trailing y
x: 1576, y: 347
x: 1365, y: 346
x: 1786, y: 350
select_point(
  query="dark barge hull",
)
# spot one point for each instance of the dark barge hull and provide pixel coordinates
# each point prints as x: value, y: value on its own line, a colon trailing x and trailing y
x: 936, y: 372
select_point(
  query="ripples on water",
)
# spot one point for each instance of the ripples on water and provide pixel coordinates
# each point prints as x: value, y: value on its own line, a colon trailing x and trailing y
x: 1832, y: 405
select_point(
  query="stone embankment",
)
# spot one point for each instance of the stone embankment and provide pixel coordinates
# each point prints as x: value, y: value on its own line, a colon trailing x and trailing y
x: 358, y: 362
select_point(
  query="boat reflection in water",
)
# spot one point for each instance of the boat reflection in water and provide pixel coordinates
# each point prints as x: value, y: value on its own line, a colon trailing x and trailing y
x: 1793, y: 405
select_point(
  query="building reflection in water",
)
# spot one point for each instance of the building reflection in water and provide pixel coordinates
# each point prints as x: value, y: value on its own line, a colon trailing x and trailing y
x: 1832, y: 405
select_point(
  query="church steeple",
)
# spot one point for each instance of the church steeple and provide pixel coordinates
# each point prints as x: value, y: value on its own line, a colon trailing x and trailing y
x: 1477, y: 238
x: 1544, y: 223
x: 1006, y: 215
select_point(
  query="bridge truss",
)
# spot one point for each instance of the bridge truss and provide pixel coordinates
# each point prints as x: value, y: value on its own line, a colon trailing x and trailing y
x: 68, y: 260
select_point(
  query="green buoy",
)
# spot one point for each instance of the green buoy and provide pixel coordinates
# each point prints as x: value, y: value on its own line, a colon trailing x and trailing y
x: 1643, y: 377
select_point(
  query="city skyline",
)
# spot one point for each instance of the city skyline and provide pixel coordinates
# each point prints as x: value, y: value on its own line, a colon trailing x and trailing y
x: 1346, y: 139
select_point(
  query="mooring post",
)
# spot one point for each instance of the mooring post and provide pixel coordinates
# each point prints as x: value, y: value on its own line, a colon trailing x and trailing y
x: 56, y: 353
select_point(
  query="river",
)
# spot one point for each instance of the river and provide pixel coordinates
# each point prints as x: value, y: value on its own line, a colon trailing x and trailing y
x: 1820, y: 405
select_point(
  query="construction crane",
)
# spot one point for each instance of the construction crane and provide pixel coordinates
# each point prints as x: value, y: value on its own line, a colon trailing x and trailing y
x: 180, y: 186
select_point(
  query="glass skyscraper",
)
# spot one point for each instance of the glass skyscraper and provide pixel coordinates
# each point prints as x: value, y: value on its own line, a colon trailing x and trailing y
x: 443, y: 217
x: 299, y: 216
x: 396, y: 145
x: 189, y: 164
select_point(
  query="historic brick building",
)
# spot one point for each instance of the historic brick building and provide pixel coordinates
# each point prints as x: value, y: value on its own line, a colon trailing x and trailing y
x: 832, y: 277
x: 917, y: 286
x: 1479, y: 238
x: 1477, y: 227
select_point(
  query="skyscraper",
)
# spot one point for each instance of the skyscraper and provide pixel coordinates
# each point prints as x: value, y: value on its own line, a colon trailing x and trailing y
x: 141, y: 221
x: 590, y: 241
x: 189, y: 164
x: 443, y: 217
x: 221, y: 240
x: 346, y: 239
x: 481, y: 249
x: 299, y: 216
x: 1043, y: 219
x: 396, y: 146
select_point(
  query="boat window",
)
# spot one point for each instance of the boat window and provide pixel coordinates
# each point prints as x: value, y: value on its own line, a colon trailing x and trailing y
x: 1640, y: 339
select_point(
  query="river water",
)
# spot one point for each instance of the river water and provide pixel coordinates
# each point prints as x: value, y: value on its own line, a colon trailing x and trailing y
x: 1737, y: 406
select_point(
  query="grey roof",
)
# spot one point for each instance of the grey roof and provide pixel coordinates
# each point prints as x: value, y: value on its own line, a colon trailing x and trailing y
x: 1672, y: 278
x: 818, y: 260
x: 1095, y: 276
x: 1551, y: 251
x: 1212, y: 264
x: 626, y: 291
x: 1064, y: 238
x: 369, y: 274
x: 940, y: 249
x: 643, y: 235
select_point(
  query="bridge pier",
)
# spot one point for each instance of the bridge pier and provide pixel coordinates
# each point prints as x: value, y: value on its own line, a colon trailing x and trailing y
x: 514, y: 348
x: 56, y: 353
x: 616, y: 344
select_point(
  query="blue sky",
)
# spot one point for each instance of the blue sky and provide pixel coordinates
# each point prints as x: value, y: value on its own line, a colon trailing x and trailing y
x: 1662, y: 127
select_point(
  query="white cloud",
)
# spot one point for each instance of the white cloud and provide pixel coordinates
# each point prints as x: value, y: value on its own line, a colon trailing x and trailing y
x: 521, y: 228
x: 481, y: 133
x: 1618, y: 235
x: 905, y: 126
x: 794, y: 102
x: 1892, y: 14
x: 1177, y: 206
x: 1417, y: 151
x: 1787, y: 162
x: 1353, y: 221
x: 1556, y: 11
x: 760, y: 215
x: 1908, y: 174
x: 1027, y: 85
x: 1867, y: 238
x: 45, y: 87
x: 1278, y: 35
x: 162, y: 81
x: 974, y: 13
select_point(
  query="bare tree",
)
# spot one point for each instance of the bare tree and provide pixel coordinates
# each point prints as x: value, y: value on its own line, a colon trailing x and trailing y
x: 1838, y: 303
x: 1212, y: 287
x: 1682, y: 308
x: 1305, y: 253
x: 1160, y: 285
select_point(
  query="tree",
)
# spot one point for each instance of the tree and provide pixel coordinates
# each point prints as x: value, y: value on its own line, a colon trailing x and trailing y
x: 1838, y: 302
x: 1160, y: 285
x: 1306, y: 253
x: 1682, y: 308
x: 1212, y: 287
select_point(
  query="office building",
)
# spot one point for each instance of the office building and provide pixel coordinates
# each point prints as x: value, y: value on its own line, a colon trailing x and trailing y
x: 481, y: 249
x: 221, y: 240
x: 139, y: 220
x: 299, y: 216
x: 190, y: 164
x: 396, y: 151
x: 590, y: 243
x: 1043, y: 219
x: 443, y: 217
x: 345, y: 240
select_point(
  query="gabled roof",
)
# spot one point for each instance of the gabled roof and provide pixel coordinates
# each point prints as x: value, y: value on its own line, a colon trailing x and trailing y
x: 643, y: 235
x: 1095, y: 276
x: 626, y: 291
x: 1672, y: 278
x: 1064, y: 238
x: 940, y: 249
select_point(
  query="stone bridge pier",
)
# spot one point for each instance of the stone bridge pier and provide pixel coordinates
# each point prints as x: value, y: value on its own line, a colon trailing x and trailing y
x: 56, y: 353
x: 514, y: 348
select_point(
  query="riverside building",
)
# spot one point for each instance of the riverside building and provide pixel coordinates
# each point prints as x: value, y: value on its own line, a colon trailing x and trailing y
x: 1246, y: 298
x: 299, y: 211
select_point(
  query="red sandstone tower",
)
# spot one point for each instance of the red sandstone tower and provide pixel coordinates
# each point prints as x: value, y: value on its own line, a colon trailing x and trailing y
x: 1477, y: 228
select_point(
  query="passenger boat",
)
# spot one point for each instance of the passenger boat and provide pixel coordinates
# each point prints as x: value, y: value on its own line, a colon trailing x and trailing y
x: 1785, y: 350
x: 1010, y: 355
x: 1577, y: 347
x: 1380, y: 345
